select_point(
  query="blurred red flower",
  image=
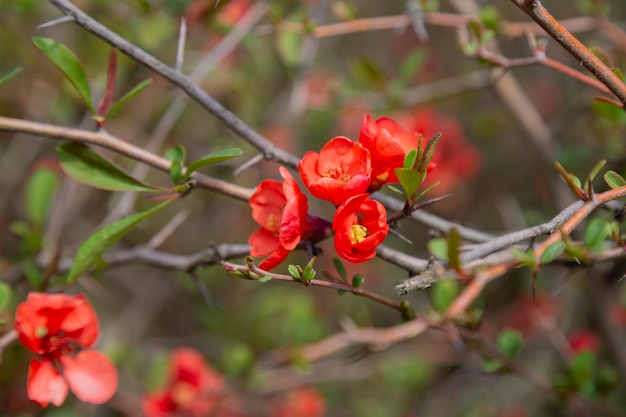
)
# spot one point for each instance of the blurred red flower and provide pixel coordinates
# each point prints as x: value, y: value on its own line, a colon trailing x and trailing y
x: 388, y: 144
x: 457, y: 160
x: 193, y: 388
x: 56, y: 326
x: 281, y: 210
x: 302, y: 402
x: 584, y: 340
x: 341, y: 170
x: 360, y: 225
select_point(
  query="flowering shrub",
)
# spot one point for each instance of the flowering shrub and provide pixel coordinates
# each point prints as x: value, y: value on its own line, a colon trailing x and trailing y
x: 192, y: 389
x: 55, y: 327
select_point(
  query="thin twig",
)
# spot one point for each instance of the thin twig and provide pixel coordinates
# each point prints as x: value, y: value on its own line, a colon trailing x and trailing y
x: 559, y: 33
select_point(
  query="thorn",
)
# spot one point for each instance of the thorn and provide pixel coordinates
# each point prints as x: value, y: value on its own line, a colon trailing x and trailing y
x: 57, y: 21
x: 400, y: 236
x: 250, y: 162
x: 182, y: 39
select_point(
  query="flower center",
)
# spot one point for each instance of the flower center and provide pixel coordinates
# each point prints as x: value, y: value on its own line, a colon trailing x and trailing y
x: 358, y: 233
x: 338, y: 173
x: 183, y: 394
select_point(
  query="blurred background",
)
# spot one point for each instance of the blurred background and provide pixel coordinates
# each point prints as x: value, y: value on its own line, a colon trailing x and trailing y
x: 301, y: 73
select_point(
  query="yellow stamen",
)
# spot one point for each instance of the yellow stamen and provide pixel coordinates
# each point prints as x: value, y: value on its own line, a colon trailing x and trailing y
x: 338, y: 173
x: 358, y: 233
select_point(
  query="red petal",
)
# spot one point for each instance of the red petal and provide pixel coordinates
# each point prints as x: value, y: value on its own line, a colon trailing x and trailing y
x: 275, y: 259
x: 91, y: 376
x: 263, y: 242
x: 45, y: 384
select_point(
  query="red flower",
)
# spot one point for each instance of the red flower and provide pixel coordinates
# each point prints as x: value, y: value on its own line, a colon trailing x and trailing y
x: 388, y: 144
x: 303, y: 402
x: 584, y: 340
x: 341, y: 170
x: 360, y: 225
x: 55, y: 326
x: 193, y: 388
x: 281, y: 210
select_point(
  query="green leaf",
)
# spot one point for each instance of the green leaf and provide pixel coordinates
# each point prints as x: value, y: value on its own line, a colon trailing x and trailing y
x: 309, y: 273
x: 409, y: 159
x: 454, y: 242
x: 397, y: 191
x: 294, y: 272
x: 288, y: 46
x: 265, y: 278
x: 103, y: 239
x: 510, y: 343
x: 176, y: 172
x: 490, y: 17
x: 358, y: 280
x: 68, y: 64
x: 526, y: 258
x: 40, y: 190
x: 33, y: 273
x: 8, y: 75
x: 87, y: 167
x: 176, y: 153
x: 552, y: 251
x: 614, y: 180
x: 5, y: 295
x: 410, y: 65
x: 429, y: 151
x: 409, y: 179
x: 368, y: 73
x: 213, y: 158
x: 341, y: 269
x: 439, y: 248
x: 444, y: 292
x: 596, y: 169
x: 126, y: 98
x: 597, y: 230
x: 583, y: 366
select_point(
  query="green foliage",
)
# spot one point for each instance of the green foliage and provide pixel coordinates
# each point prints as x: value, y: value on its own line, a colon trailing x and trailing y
x: 552, y: 251
x: 443, y: 293
x: 40, y: 191
x: 213, y: 158
x: 341, y: 269
x: 5, y: 295
x: 597, y: 231
x: 358, y: 280
x: 439, y: 248
x: 454, y: 252
x: 8, y: 75
x: 510, y: 343
x: 103, y: 239
x: 87, y: 167
x: 68, y: 64
x: 126, y: 98
x: 614, y: 180
x: 527, y: 258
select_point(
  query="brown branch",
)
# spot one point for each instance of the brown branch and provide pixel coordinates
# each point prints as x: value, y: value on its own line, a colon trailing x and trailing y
x: 483, y: 277
x: 105, y: 140
x: 557, y: 31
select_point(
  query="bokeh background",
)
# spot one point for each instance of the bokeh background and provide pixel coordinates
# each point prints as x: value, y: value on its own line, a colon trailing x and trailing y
x: 502, y: 131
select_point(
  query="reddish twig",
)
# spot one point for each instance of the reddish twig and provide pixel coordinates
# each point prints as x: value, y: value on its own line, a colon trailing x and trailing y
x: 557, y: 31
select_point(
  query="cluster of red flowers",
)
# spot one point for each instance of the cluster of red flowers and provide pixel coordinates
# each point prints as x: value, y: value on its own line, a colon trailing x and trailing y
x: 194, y: 389
x: 56, y: 327
x: 344, y: 172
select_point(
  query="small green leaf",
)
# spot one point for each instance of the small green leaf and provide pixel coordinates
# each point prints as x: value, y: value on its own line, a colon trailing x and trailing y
x: 176, y: 153
x: 575, y: 180
x: 490, y: 17
x: 265, y: 278
x: 439, y: 248
x: 358, y: 280
x: 409, y: 179
x: 443, y: 293
x: 614, y: 180
x: 510, y: 343
x: 552, y: 251
x: 454, y: 242
x: 117, y: 106
x: 8, y: 75
x: 288, y: 46
x: 341, y: 269
x: 410, y: 65
x: 176, y: 172
x: 213, y: 158
x: 68, y: 64
x: 409, y: 159
x: 596, y: 169
x: 103, y: 239
x: 526, y: 258
x: 397, y: 191
x: 309, y: 273
x: 583, y: 367
x: 429, y: 151
x: 33, y: 273
x: 368, y: 73
x: 40, y: 190
x: 294, y: 272
x: 87, y: 167
x: 597, y: 230
x: 5, y: 295
x: 491, y: 365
